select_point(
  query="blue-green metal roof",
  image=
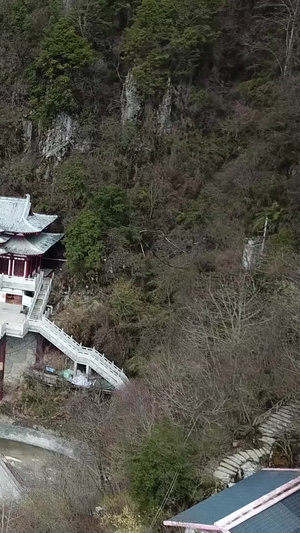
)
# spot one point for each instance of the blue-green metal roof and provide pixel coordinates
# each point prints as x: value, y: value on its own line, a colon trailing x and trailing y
x: 283, y: 517
x: 229, y: 500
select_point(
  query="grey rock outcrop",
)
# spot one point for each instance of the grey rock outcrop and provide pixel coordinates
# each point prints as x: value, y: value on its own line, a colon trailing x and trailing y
x: 27, y: 134
x: 252, y: 253
x: 131, y: 100
x: 61, y: 138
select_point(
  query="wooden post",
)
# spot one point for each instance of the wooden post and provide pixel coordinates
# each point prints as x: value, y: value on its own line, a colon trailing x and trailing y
x: 2, y: 364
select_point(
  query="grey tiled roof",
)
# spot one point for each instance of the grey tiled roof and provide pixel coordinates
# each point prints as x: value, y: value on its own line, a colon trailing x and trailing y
x: 4, y: 237
x: 30, y: 245
x: 229, y: 500
x: 283, y: 517
x: 15, y: 216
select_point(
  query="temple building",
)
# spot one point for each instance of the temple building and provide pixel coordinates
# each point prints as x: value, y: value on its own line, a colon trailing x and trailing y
x: 23, y: 241
x: 25, y: 287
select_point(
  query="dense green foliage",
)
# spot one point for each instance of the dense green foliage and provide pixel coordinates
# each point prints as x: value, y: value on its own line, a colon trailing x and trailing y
x: 166, y: 458
x: 168, y: 38
x: 63, y: 55
x: 84, y: 240
x: 84, y: 245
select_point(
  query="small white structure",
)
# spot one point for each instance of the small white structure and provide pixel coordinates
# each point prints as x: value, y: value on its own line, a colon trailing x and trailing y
x: 252, y: 253
x: 254, y: 249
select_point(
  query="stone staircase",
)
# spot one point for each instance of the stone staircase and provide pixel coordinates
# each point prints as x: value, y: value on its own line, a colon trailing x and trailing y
x: 272, y: 426
x: 78, y: 353
x: 37, y: 322
x: 42, y: 298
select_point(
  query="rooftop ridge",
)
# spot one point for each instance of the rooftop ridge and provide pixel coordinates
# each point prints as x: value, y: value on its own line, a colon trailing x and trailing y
x: 16, y: 216
x: 261, y: 504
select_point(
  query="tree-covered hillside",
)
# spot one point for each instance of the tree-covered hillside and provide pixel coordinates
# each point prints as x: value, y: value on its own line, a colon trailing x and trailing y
x: 163, y: 132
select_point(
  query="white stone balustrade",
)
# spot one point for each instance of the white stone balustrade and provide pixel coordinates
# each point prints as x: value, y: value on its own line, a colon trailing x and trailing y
x: 37, y: 322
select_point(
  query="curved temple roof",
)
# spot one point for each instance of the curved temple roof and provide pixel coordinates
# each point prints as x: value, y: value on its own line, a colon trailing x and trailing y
x: 15, y: 216
x: 30, y: 245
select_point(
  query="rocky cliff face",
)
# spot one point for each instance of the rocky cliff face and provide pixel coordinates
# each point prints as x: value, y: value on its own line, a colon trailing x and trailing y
x: 61, y: 138
x: 131, y: 100
x: 27, y: 134
x: 132, y: 104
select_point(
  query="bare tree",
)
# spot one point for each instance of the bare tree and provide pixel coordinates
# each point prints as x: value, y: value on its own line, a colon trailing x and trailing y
x: 279, y: 23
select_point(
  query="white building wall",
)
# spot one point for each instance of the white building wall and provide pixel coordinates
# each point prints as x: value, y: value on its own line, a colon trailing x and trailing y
x: 27, y: 300
x: 4, y: 292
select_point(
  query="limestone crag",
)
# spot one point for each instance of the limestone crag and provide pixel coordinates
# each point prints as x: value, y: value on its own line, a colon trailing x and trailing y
x: 27, y: 134
x: 62, y: 137
x: 131, y: 100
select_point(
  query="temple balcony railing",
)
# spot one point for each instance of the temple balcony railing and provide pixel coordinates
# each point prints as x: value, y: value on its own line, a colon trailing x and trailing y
x: 14, y: 330
x: 19, y: 283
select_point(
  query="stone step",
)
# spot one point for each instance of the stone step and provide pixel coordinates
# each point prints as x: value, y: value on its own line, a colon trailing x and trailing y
x: 240, y: 458
x: 277, y: 420
x: 282, y: 417
x: 245, y: 455
x: 235, y: 459
x: 267, y: 431
x: 229, y: 464
x: 231, y: 469
x: 227, y: 470
x: 268, y: 440
x: 271, y: 433
x: 295, y: 407
x: 254, y: 455
x: 289, y: 410
x: 265, y: 450
x: 229, y: 473
x: 284, y: 409
x: 280, y: 421
x: 272, y: 427
x: 219, y: 474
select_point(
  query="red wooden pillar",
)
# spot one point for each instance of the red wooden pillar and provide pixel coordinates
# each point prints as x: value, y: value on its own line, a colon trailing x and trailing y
x: 28, y: 273
x: 2, y: 364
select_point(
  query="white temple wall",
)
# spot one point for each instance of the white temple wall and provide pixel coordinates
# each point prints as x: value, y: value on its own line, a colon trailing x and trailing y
x: 4, y: 292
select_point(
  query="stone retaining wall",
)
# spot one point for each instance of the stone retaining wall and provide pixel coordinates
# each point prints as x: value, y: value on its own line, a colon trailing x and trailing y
x: 42, y: 440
